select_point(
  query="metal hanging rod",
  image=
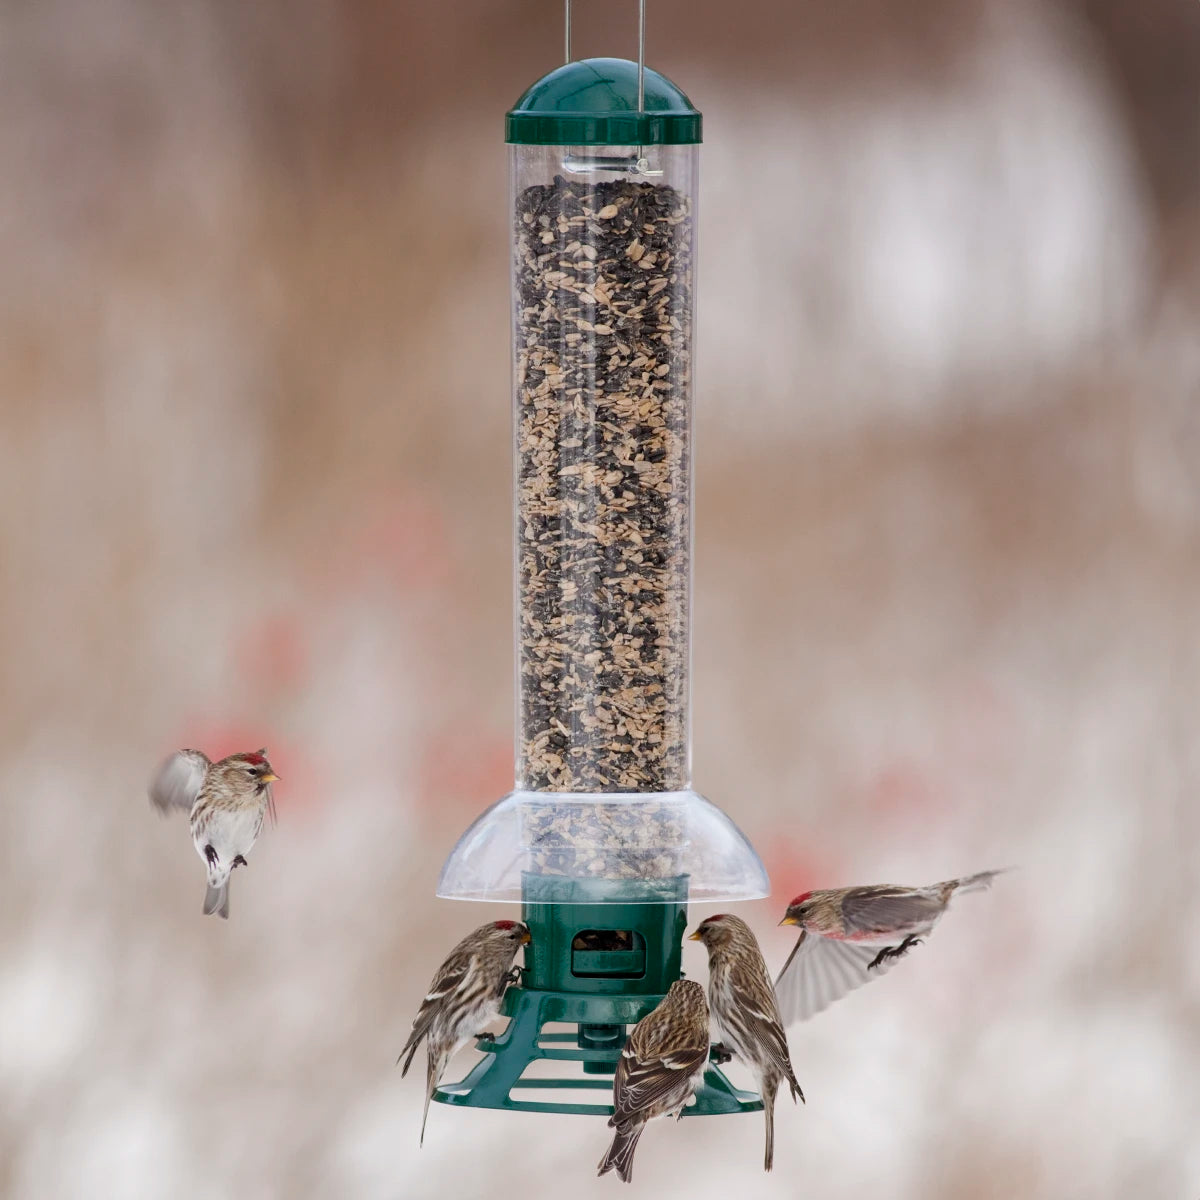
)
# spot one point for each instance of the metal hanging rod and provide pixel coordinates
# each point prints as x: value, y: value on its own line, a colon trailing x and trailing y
x: 641, y: 58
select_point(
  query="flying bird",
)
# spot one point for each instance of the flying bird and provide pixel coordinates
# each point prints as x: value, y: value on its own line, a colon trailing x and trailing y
x: 742, y: 1004
x: 464, y: 996
x: 851, y: 935
x: 226, y: 802
x: 662, y: 1065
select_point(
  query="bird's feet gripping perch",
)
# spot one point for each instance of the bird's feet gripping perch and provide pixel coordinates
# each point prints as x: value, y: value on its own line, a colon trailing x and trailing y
x: 894, y: 951
x: 719, y: 1055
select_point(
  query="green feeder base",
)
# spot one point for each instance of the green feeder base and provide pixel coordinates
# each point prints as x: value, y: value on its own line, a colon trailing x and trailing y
x: 501, y: 1072
x: 603, y: 954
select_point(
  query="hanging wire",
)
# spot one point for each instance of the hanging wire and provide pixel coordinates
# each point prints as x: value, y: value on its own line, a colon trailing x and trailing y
x: 641, y: 48
x: 642, y: 162
x: 641, y: 56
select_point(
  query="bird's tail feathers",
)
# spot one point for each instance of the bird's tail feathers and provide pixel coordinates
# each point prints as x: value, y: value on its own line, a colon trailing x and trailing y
x: 435, y: 1064
x: 410, y: 1048
x: 974, y: 883
x: 769, y: 1087
x: 620, y: 1153
x: 218, y: 873
x: 796, y: 1090
x: 216, y: 900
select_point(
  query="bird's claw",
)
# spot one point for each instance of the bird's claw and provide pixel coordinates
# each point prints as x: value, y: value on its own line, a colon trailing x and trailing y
x: 240, y: 862
x: 210, y: 854
x: 894, y: 951
x: 719, y: 1054
x: 485, y: 1037
x: 514, y: 976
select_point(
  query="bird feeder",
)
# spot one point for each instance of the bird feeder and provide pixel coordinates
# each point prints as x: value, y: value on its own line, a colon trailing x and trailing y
x: 603, y: 841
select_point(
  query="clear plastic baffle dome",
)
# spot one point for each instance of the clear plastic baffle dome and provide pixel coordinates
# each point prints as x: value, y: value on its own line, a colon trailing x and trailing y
x: 603, y: 171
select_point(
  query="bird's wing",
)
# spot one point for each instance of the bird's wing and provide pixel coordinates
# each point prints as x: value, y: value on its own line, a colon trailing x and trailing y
x: 766, y: 1028
x: 821, y: 970
x: 881, y: 910
x: 654, y: 1070
x: 178, y: 781
x: 451, y: 977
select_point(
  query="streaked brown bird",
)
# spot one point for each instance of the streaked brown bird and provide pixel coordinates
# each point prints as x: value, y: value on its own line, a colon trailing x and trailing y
x: 662, y: 1064
x: 742, y: 1005
x: 851, y: 935
x: 226, y: 802
x: 464, y: 996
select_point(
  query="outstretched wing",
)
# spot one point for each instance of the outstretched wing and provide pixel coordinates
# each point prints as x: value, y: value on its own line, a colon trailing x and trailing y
x: 820, y: 971
x: 178, y: 781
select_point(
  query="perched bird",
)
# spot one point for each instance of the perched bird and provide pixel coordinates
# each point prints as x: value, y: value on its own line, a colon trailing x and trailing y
x: 227, y: 802
x: 662, y: 1064
x: 850, y: 935
x: 742, y: 1003
x: 464, y: 996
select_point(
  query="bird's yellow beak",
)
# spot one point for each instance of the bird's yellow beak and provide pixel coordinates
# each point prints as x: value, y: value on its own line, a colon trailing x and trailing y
x: 527, y: 938
x: 789, y: 921
x: 270, y: 777
x: 694, y: 937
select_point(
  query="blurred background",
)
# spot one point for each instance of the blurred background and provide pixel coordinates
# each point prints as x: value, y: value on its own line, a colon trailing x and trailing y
x: 254, y: 482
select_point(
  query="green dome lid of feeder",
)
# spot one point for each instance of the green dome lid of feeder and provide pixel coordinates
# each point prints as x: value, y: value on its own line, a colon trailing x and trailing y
x: 594, y: 102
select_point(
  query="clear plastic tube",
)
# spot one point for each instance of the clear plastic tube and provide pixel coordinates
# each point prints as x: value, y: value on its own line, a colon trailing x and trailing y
x: 603, y: 294
x: 603, y: 291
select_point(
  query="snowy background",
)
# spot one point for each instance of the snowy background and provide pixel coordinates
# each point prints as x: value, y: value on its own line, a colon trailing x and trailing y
x: 254, y: 480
